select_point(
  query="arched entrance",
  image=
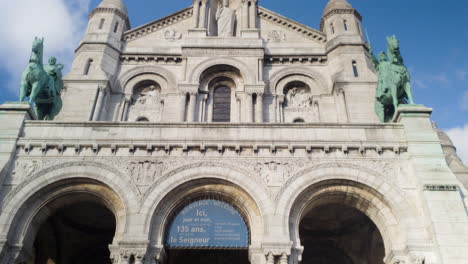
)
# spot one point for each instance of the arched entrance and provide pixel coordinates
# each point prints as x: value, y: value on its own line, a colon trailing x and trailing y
x: 340, y: 234
x: 207, y: 231
x: 342, y: 221
x: 76, y: 233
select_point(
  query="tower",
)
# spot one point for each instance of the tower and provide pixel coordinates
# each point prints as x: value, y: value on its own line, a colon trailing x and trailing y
x: 341, y: 23
x: 96, y: 62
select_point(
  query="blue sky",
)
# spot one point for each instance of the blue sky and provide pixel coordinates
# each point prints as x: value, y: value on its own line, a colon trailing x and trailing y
x: 433, y: 36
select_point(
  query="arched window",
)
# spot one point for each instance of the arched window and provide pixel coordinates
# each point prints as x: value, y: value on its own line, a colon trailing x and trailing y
x: 101, y: 24
x: 299, y: 120
x: 88, y: 67
x: 222, y: 104
x: 116, y: 27
x: 332, y: 28
x: 355, y: 69
x: 345, y: 24
x: 142, y: 119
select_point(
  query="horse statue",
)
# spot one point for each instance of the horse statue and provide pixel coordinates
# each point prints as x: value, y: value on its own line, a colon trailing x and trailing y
x: 42, y: 83
x: 394, y: 87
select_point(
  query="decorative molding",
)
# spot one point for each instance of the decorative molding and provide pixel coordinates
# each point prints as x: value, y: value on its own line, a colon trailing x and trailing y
x: 158, y: 24
x: 308, y: 60
x: 234, y: 52
x: 292, y: 25
x: 150, y: 59
x: 441, y: 187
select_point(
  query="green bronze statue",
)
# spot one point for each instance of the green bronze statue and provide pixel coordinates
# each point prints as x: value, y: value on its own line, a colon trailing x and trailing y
x: 394, y: 87
x: 42, y: 83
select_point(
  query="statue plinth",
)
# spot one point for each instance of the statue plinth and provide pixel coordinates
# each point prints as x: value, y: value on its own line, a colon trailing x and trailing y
x: 411, y: 110
x: 18, y: 107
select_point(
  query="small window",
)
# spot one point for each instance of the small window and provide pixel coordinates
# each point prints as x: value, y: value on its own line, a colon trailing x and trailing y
x: 298, y: 120
x: 101, y: 24
x: 88, y: 67
x: 332, y: 28
x: 222, y: 104
x: 142, y: 119
x: 345, y: 24
x: 116, y: 27
x: 355, y: 69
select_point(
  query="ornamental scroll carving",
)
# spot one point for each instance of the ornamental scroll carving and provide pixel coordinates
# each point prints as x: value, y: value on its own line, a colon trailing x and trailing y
x: 144, y: 172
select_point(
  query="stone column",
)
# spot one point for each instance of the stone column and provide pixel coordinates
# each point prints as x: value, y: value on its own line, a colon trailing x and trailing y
x: 249, y: 107
x: 259, y: 108
x: 245, y: 14
x: 196, y: 13
x: 124, y: 111
x: 192, y: 107
x: 202, y: 19
x: 99, y: 103
x: 182, y: 103
x: 253, y: 15
x: 279, y: 109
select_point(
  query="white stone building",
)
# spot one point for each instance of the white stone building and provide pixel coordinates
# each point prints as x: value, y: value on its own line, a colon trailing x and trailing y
x: 229, y: 102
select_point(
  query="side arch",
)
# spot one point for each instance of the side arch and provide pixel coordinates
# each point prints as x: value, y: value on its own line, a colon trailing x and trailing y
x: 279, y: 75
x: 247, y: 74
x: 20, y: 207
x: 125, y: 78
x: 246, y: 194
x: 358, y: 188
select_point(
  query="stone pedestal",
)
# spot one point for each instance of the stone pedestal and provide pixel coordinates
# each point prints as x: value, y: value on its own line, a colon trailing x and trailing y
x: 12, y: 117
x: 438, y: 186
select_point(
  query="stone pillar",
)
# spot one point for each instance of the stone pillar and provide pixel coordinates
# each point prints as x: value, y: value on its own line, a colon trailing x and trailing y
x: 99, y: 103
x: 203, y: 11
x: 192, y: 107
x: 438, y: 188
x: 182, y: 103
x: 341, y: 107
x: 245, y: 14
x: 124, y: 112
x: 249, y: 108
x: 196, y: 13
x: 279, y: 109
x: 283, y: 259
x: 259, y: 108
x: 253, y: 15
x: 12, y: 117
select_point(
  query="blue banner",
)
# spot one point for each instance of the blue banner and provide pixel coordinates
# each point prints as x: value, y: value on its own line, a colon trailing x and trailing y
x: 208, y: 224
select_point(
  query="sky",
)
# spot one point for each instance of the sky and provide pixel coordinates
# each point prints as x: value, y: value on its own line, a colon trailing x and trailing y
x: 433, y: 37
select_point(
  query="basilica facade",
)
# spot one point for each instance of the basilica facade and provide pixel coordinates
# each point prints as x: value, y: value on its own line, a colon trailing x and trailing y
x: 227, y: 133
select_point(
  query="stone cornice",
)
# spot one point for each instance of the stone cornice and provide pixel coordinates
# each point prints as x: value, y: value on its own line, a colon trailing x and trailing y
x: 110, y: 10
x: 146, y: 29
x: 339, y: 12
x: 292, y: 25
x: 309, y: 60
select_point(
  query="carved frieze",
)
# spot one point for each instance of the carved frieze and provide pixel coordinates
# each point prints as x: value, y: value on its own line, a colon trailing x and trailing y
x: 212, y: 52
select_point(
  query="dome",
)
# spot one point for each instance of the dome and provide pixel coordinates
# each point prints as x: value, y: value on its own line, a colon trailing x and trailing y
x: 336, y: 4
x: 117, y: 4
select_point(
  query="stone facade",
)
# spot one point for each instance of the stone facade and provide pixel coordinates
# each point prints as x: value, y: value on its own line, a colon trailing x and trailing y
x: 137, y: 135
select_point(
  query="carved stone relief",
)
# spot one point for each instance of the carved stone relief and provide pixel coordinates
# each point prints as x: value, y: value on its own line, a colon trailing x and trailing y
x: 144, y: 172
x: 172, y: 35
x: 276, y: 36
x: 298, y: 97
x: 146, y: 103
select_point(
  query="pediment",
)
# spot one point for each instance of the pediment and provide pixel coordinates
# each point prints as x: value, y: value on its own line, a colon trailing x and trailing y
x: 274, y: 26
x: 274, y: 29
x: 169, y: 25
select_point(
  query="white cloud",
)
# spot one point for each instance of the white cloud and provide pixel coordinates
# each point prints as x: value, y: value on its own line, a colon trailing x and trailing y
x: 60, y: 22
x: 459, y: 136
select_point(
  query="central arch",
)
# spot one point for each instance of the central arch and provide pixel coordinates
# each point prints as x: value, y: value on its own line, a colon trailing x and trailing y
x: 215, y: 183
